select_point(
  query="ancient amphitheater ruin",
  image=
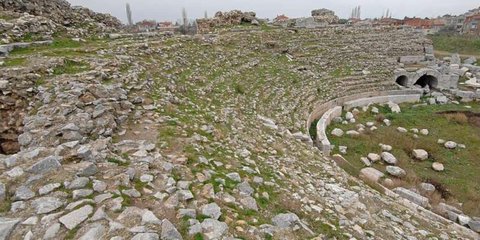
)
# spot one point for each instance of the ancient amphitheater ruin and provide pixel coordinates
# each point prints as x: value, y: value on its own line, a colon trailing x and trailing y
x: 107, y: 134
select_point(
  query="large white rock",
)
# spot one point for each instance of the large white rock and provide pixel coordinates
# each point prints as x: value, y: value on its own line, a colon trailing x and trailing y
x: 451, y: 145
x: 412, y: 196
x: 349, y: 116
x: 386, y: 148
x: 420, y: 154
x: 424, y: 132
x: 6, y: 227
x: 337, y: 132
x: 389, y: 158
x: 374, y: 157
x: 74, y: 218
x: 353, y: 133
x: 396, y: 171
x: 371, y: 174
x: 438, y: 167
x: 394, y: 107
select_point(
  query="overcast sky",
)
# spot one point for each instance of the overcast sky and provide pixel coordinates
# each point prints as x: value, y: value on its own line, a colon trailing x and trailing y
x: 171, y: 9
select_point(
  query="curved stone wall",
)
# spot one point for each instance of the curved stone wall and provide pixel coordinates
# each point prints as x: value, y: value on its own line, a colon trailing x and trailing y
x: 326, y: 112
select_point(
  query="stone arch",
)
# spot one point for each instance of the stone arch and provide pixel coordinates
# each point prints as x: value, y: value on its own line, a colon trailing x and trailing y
x: 402, y: 80
x: 427, y: 80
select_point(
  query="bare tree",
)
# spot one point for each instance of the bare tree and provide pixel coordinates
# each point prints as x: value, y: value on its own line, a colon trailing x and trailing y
x: 129, y: 15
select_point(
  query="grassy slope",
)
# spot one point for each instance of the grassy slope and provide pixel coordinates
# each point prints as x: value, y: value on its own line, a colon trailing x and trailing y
x: 457, y: 44
x: 461, y: 166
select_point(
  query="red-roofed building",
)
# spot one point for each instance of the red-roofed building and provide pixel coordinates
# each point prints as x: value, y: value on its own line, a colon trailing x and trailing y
x: 281, y: 18
x: 472, y: 24
x: 146, y: 25
x: 418, y: 23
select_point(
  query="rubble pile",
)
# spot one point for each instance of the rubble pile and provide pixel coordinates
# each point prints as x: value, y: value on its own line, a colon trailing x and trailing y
x: 222, y: 19
x: 325, y: 15
x: 41, y: 19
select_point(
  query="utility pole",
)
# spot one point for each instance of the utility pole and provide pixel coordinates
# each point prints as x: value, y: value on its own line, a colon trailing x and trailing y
x: 129, y: 15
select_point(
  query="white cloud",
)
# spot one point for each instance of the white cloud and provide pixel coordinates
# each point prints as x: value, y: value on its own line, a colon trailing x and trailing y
x: 171, y: 9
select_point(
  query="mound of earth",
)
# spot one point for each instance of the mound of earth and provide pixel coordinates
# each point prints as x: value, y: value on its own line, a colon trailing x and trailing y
x: 42, y: 19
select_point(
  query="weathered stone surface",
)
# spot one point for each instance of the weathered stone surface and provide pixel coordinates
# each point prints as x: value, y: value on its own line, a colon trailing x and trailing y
x: 412, y: 196
x: 146, y: 236
x: 285, y: 220
x: 420, y: 154
x: 214, y: 229
x: 438, y: 167
x: 374, y: 157
x: 45, y: 165
x: 371, y: 174
x: 474, y: 225
x: 396, y: 171
x: 2, y: 191
x: 149, y: 217
x: 97, y: 231
x: 450, y: 145
x: 74, y: 218
x: 47, y: 204
x: 169, y: 232
x: 249, y: 203
x: 6, y: 227
x: 48, y: 188
x: 79, y: 182
x: 23, y: 193
x: 337, y: 132
x: 212, y: 210
x: 52, y: 231
x: 389, y: 158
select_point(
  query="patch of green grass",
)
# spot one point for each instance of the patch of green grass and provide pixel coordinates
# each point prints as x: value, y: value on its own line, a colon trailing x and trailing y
x: 313, y: 129
x: 240, y: 89
x: 139, y: 185
x: 71, y: 67
x: 57, y: 44
x: 14, y: 62
x: 71, y: 233
x: 5, y: 205
x: 341, y: 72
x: 456, y: 44
x: 118, y: 162
x: 461, y: 165
x: 201, y: 217
x: 198, y: 236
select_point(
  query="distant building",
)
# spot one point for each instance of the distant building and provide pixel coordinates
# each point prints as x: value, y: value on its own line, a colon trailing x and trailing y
x: 427, y: 26
x: 281, y: 18
x: 146, y: 26
x: 388, y: 22
x: 471, y: 25
x: 166, y: 27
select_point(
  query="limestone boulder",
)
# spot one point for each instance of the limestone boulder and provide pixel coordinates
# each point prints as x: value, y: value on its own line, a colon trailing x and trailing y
x: 389, y: 158
x: 420, y: 154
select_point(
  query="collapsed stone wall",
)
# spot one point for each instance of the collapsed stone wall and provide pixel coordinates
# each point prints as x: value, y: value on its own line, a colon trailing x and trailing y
x: 42, y: 19
x: 59, y: 11
x: 221, y: 19
x: 325, y: 15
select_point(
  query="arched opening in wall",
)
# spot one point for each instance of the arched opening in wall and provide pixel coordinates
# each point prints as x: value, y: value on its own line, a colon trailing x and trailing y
x: 427, y: 80
x: 402, y: 80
